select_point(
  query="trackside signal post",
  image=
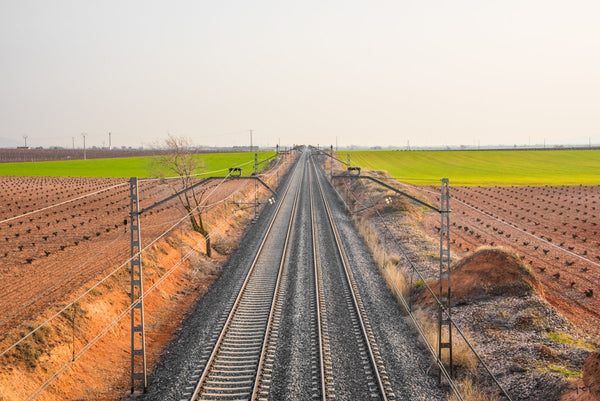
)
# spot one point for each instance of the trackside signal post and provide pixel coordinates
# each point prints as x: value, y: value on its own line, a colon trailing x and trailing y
x: 138, y: 338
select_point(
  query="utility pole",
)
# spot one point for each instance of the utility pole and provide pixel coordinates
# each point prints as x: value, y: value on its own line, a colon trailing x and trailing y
x: 255, y: 188
x: 109, y: 141
x: 278, y: 162
x: 73, y: 139
x: 84, y: 154
x: 25, y: 137
x: 250, y: 140
x: 331, y: 161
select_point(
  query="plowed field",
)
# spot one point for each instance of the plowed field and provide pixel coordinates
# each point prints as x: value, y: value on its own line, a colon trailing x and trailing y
x: 47, y: 255
x: 554, y: 229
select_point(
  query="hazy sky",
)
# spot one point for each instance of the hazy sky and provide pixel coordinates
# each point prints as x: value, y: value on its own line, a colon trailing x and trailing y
x: 368, y: 72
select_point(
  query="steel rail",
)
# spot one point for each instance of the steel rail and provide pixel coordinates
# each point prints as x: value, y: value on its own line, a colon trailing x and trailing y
x: 318, y: 289
x: 350, y: 279
x: 240, y: 295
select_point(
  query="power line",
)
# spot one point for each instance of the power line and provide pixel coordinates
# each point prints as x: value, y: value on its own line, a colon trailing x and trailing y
x: 66, y: 276
x: 518, y: 229
x: 99, y: 283
x: 106, y: 329
x: 124, y: 313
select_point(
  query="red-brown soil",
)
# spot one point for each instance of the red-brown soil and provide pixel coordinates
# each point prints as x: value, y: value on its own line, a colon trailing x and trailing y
x: 553, y: 229
x: 45, y: 255
x: 486, y: 273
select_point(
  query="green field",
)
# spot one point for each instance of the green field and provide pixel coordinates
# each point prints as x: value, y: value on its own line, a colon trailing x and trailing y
x: 141, y: 167
x: 552, y: 167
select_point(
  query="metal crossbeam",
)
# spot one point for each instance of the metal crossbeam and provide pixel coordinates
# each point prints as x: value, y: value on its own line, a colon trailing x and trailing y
x: 138, y: 338
x: 204, y: 181
x: 366, y: 177
x: 318, y: 151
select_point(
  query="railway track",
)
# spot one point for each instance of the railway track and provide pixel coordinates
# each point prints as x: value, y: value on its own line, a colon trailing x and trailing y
x: 241, y: 363
x: 239, y: 353
x: 376, y: 380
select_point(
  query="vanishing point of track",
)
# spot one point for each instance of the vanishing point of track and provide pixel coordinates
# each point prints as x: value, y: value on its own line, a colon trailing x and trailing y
x: 241, y: 363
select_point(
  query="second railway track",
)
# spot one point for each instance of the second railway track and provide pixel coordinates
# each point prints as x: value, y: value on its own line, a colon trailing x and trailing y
x: 370, y: 381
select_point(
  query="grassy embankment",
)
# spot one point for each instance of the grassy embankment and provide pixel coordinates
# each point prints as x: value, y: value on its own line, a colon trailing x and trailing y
x: 128, y: 167
x: 486, y: 168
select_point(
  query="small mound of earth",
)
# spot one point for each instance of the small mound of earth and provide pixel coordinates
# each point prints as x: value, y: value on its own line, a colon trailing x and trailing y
x: 587, y: 388
x: 591, y: 371
x: 487, y: 273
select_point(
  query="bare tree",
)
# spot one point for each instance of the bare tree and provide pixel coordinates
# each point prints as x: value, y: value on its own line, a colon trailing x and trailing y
x: 183, y: 162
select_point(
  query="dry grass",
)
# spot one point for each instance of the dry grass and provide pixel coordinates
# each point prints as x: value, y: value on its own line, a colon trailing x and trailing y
x: 465, y: 362
x: 33, y: 347
x: 462, y: 356
x: 396, y: 279
x: 395, y: 276
x: 472, y: 392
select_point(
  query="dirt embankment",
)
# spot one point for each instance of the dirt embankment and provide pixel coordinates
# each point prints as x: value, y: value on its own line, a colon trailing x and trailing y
x: 103, y: 371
